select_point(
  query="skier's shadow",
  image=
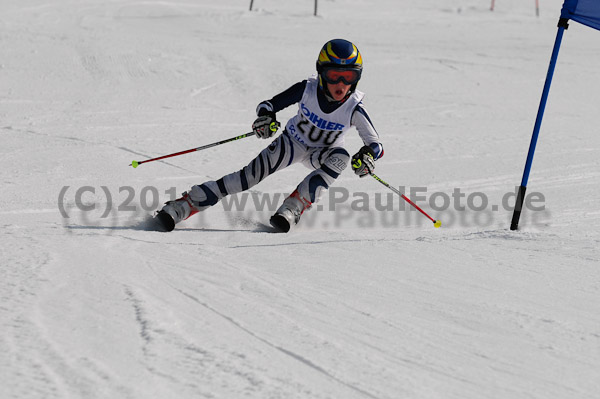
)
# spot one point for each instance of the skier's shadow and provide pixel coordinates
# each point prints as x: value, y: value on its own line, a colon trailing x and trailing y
x: 151, y: 225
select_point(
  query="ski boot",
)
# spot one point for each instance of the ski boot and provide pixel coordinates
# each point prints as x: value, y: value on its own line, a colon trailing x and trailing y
x: 289, y: 212
x: 175, y: 211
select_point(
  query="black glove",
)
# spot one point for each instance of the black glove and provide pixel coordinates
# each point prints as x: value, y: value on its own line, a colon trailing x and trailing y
x: 265, y: 126
x: 363, y: 162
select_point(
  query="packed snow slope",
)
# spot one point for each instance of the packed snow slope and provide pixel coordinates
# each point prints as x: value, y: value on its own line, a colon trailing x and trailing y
x: 364, y: 299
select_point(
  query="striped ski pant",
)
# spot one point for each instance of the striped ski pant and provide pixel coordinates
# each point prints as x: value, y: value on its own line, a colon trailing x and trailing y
x: 326, y: 163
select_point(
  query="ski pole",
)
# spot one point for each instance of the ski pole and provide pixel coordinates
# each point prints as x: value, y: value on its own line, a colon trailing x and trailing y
x: 274, y: 126
x: 436, y: 223
x: 135, y: 164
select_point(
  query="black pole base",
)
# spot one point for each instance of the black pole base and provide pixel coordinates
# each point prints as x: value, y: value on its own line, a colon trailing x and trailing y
x: 514, y: 224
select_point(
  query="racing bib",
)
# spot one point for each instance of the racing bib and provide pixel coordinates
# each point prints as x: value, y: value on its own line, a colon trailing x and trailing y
x: 313, y: 127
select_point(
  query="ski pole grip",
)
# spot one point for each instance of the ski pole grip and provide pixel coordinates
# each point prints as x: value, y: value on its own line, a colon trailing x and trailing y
x: 274, y: 126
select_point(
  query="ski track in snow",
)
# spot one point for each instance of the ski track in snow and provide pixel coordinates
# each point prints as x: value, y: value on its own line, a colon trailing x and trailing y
x: 348, y: 305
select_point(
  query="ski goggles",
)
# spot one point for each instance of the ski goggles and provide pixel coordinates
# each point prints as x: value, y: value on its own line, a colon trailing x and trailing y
x: 348, y: 76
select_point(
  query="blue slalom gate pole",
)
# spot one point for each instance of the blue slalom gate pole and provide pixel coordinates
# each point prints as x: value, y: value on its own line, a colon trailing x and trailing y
x: 562, y: 25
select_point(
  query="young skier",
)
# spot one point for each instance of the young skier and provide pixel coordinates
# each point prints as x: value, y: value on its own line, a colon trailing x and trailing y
x: 329, y: 105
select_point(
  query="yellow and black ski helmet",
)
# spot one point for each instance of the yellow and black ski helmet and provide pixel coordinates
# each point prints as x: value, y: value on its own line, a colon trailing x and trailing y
x: 339, y: 55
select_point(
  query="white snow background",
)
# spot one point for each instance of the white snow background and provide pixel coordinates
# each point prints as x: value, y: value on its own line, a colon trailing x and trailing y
x: 352, y: 304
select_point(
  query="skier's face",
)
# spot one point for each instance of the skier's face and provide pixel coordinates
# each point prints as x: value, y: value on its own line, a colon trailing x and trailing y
x: 338, y: 90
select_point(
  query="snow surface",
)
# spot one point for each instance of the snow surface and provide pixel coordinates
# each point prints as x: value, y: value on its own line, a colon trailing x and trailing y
x: 352, y: 304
